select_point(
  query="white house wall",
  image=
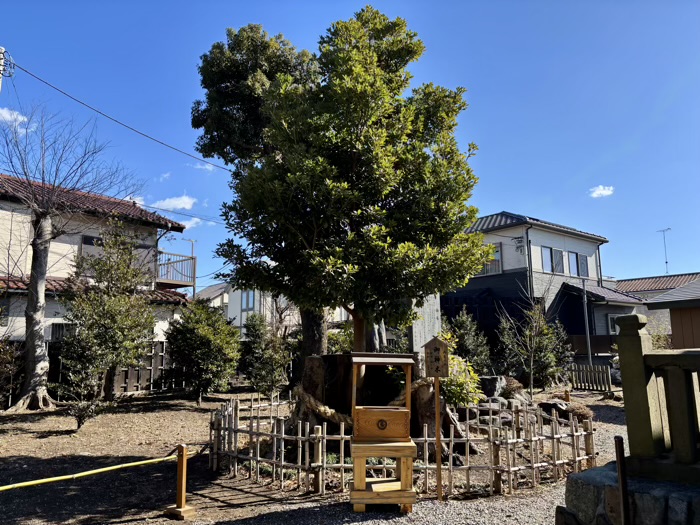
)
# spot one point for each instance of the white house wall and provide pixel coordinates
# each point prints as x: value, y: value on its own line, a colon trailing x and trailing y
x: 513, y: 249
x: 164, y: 314
x: 16, y: 236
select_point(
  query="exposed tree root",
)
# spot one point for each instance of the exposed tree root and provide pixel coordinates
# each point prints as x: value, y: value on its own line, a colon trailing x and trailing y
x: 39, y: 400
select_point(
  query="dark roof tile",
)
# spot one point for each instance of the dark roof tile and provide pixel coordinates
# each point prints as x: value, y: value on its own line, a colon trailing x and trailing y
x: 656, y: 283
x: 504, y: 219
x: 58, y: 285
x: 16, y: 189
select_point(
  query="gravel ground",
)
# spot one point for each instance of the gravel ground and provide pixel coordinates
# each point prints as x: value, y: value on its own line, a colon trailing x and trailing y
x: 36, y: 445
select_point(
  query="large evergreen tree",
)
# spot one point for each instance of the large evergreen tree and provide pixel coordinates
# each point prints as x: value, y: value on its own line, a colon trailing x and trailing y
x: 358, y: 195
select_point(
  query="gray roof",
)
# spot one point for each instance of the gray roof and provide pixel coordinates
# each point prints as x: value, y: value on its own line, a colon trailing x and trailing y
x: 608, y: 295
x: 212, y: 291
x: 687, y: 296
x: 504, y: 219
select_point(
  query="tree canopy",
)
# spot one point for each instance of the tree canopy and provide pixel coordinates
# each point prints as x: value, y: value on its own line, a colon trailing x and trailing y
x: 357, y: 192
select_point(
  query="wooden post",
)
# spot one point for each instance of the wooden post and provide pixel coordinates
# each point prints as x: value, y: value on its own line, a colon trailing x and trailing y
x: 236, y: 423
x: 180, y: 510
x: 438, y: 445
x: 494, y: 438
x: 645, y: 431
x: 588, y: 442
x: 318, y: 431
x: 682, y: 414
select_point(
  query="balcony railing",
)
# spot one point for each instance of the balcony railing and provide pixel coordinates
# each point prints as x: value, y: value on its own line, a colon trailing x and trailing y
x: 490, y: 268
x: 175, y: 270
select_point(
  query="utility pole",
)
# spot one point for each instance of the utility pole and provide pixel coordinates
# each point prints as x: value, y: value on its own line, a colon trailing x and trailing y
x: 663, y: 232
x: 585, y: 322
x: 2, y: 66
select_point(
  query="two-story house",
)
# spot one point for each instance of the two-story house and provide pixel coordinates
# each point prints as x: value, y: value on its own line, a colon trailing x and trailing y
x: 84, y: 216
x: 540, y: 261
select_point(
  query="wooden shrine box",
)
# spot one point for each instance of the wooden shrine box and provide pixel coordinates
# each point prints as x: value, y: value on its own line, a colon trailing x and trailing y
x: 388, y: 424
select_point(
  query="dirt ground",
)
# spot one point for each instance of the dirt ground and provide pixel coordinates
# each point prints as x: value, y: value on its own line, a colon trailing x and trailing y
x: 40, y: 445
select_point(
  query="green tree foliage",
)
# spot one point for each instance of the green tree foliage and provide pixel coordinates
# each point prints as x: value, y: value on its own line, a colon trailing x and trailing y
x: 340, y: 341
x: 461, y: 387
x: 532, y: 344
x: 10, y: 366
x: 112, y: 320
x: 354, y: 193
x: 204, y: 348
x: 468, y: 342
x: 266, y: 356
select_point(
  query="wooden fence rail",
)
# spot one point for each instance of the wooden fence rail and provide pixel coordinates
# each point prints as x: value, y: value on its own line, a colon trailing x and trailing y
x: 591, y: 377
x: 534, y: 446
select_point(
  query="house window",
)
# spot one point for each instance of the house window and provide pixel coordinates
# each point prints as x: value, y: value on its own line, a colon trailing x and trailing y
x: 583, y: 265
x: 552, y: 260
x: 578, y: 264
x: 247, y: 300
x: 59, y: 331
x: 613, y: 329
x: 573, y: 263
x: 494, y: 265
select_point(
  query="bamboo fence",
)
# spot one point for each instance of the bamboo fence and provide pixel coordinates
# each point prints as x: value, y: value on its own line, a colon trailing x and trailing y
x: 533, y: 448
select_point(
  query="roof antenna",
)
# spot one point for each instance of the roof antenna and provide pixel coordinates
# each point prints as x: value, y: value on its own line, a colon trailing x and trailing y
x: 663, y: 232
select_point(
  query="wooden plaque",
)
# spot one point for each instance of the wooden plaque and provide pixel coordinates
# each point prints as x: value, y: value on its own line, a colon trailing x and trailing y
x: 436, y: 361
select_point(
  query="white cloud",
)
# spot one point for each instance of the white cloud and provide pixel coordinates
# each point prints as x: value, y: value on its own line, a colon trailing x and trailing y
x: 206, y: 203
x: 192, y: 223
x: 164, y: 176
x: 202, y: 166
x: 12, y: 117
x: 185, y: 202
x: 601, y: 191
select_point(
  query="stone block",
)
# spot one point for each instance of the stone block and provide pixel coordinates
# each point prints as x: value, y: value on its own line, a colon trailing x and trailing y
x: 492, y: 386
x: 649, y: 507
x: 563, y: 517
x: 501, y: 402
x: 678, y: 509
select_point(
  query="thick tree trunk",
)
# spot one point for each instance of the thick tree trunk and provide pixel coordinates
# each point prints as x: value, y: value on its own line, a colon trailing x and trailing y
x: 314, y: 332
x: 358, y: 325
x: 34, y: 394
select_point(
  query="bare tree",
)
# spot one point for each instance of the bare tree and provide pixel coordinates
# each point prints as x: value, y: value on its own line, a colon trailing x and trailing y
x: 49, y: 159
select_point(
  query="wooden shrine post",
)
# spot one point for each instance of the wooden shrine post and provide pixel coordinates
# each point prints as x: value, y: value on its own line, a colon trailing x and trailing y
x: 437, y: 366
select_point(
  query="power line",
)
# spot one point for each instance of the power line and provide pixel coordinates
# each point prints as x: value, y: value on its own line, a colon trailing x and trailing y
x: 192, y: 215
x: 116, y: 121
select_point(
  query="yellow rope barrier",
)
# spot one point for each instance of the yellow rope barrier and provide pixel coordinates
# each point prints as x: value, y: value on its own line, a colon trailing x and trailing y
x: 89, y: 472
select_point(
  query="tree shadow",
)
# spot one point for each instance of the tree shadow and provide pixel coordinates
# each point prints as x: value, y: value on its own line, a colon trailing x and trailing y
x: 614, y: 415
x: 326, y: 513
x: 116, y: 495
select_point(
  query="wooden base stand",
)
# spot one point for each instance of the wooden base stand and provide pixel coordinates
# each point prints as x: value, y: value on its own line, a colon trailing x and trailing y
x: 177, y: 513
x: 381, y: 491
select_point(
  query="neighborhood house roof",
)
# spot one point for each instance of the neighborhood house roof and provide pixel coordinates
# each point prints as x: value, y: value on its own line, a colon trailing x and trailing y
x: 212, y: 291
x: 687, y: 296
x: 16, y: 190
x: 603, y: 294
x: 656, y: 283
x: 56, y: 285
x: 504, y: 219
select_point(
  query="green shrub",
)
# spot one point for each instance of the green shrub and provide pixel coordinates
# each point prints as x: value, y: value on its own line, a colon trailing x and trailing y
x: 468, y: 342
x: 462, y: 386
x: 204, y: 347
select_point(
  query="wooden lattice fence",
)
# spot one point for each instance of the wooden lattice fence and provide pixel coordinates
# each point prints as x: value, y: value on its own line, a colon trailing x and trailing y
x: 527, y: 448
x: 591, y: 377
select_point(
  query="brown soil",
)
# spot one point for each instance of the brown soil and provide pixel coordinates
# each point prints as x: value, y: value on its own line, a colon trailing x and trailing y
x: 44, y: 444
x: 36, y: 445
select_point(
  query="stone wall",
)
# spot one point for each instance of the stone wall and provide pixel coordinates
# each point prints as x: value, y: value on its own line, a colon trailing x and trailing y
x: 592, y: 498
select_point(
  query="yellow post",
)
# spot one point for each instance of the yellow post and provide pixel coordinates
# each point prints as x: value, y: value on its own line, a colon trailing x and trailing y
x: 180, y: 510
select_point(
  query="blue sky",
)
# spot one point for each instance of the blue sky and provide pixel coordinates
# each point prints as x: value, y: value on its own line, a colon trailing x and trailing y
x: 564, y: 97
